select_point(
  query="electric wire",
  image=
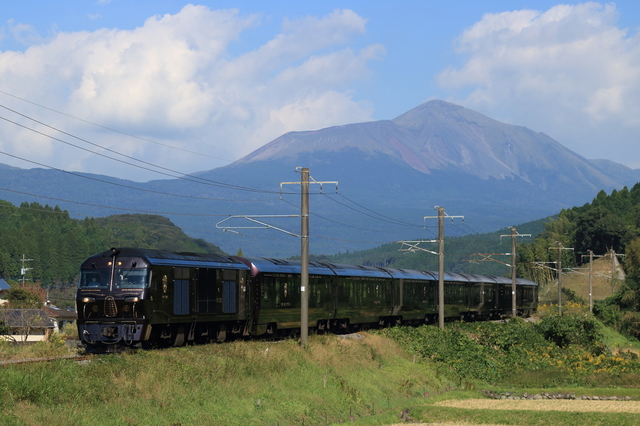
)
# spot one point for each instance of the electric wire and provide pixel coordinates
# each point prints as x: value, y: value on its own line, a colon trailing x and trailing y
x: 391, y: 220
x: 339, y: 223
x: 118, y: 219
x: 184, y: 176
x: 114, y: 130
x: 127, y: 186
x: 381, y: 218
x: 111, y: 207
x: 180, y: 175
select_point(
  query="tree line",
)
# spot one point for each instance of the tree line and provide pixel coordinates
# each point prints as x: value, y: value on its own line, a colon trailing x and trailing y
x: 609, y: 222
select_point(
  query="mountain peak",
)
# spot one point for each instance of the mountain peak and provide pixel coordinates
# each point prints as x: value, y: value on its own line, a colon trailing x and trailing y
x: 440, y: 135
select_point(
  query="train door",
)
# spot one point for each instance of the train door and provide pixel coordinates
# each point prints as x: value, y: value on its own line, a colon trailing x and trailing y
x: 229, y: 291
x: 181, y: 291
x: 396, y: 288
x: 206, y: 291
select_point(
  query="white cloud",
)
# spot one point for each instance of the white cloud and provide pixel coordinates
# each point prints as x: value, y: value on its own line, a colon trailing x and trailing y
x: 173, y: 80
x: 23, y: 33
x: 568, y: 71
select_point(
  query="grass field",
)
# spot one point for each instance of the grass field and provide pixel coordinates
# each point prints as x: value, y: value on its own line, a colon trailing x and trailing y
x: 365, y: 379
x: 578, y: 281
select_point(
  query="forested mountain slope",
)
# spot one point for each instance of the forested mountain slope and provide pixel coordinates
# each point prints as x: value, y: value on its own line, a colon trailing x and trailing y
x: 57, y: 244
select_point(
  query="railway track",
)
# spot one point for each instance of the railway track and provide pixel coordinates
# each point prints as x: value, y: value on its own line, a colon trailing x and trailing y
x: 44, y: 359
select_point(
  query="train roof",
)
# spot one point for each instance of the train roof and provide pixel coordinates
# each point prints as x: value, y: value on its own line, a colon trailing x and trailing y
x: 479, y: 278
x: 270, y: 265
x: 410, y: 274
x: 343, y: 270
x: 281, y: 266
x: 163, y: 257
x: 519, y: 281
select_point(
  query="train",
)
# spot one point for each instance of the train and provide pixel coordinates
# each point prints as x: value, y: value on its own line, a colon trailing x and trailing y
x: 132, y: 298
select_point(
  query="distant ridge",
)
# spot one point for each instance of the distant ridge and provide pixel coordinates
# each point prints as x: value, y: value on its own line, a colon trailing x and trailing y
x: 439, y: 135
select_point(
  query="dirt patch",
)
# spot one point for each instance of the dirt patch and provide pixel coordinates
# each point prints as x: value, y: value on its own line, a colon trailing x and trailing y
x: 445, y: 424
x: 545, y: 405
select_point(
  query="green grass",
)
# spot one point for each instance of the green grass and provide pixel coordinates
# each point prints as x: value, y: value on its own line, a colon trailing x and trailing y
x: 332, y: 381
x: 243, y: 383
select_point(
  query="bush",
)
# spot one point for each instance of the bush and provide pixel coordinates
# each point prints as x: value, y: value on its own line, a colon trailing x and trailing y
x: 630, y: 324
x: 556, y: 351
x: 565, y: 330
x: 610, y: 315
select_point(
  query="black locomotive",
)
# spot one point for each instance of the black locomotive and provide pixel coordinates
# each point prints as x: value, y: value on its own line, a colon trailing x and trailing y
x: 138, y: 297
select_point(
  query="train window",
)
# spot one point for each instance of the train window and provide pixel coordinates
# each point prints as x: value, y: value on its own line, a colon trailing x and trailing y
x: 229, y: 305
x: 131, y: 278
x: 181, y: 297
x: 95, y: 278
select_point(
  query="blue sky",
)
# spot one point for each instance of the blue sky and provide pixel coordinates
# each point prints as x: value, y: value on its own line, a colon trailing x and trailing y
x: 222, y: 78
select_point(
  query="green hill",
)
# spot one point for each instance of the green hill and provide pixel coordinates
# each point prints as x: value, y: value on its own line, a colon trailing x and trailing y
x: 151, y: 231
x: 54, y: 244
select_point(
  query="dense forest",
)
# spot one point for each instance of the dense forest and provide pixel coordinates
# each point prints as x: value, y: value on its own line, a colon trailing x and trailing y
x: 610, y: 224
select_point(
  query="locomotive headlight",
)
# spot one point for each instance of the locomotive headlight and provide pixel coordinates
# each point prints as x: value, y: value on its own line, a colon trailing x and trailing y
x: 88, y: 300
x: 126, y: 308
x: 94, y: 308
x: 131, y: 299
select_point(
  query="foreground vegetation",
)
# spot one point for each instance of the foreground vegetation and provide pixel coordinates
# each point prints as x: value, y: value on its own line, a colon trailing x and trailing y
x: 368, y: 378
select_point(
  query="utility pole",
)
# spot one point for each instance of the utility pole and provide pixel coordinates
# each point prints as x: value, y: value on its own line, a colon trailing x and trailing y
x: 559, y: 278
x: 486, y: 256
x: 514, y: 302
x: 441, y: 268
x: 591, y: 281
x: 304, y: 256
x: 305, y: 180
x: 304, y: 248
x: 23, y: 270
x: 441, y: 216
x: 614, y: 273
x: 514, y: 308
x: 560, y: 248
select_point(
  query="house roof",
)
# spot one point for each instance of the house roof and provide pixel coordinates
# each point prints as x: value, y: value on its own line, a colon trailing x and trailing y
x: 4, y: 285
x: 17, y: 318
x: 60, y: 314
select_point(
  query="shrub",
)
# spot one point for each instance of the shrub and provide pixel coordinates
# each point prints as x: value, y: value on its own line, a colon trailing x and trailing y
x: 609, y: 314
x: 565, y: 330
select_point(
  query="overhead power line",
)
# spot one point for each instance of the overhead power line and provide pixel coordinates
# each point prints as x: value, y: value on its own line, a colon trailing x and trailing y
x: 125, y: 186
x: 374, y: 215
x: 111, y: 207
x: 112, y: 129
x: 169, y: 172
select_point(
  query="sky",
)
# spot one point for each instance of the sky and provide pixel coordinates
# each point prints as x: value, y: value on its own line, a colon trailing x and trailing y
x: 192, y: 87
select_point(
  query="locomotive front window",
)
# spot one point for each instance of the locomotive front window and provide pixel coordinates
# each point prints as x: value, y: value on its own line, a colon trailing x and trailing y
x: 131, y: 278
x: 94, y: 278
